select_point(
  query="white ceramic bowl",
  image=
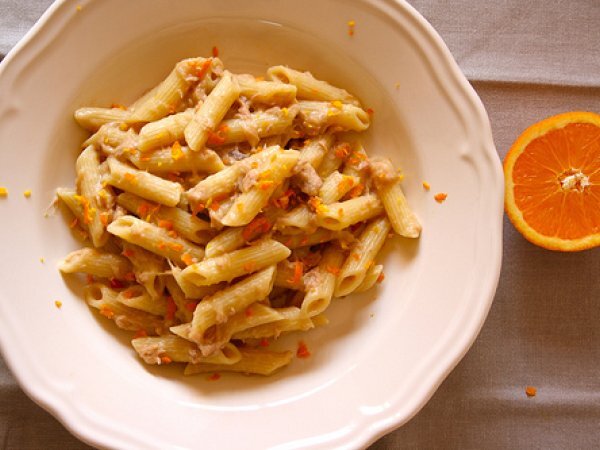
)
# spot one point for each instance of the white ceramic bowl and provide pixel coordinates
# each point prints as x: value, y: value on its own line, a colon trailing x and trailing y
x: 383, y: 354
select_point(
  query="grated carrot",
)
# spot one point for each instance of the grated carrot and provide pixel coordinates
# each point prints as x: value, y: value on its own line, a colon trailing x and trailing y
x: 191, y: 306
x: 104, y: 219
x: 204, y: 68
x: 266, y: 185
x: 356, y: 191
x: 264, y: 342
x: 342, y: 151
x: 298, y: 271
x: 176, y: 152
x: 218, y: 137
x: 302, y: 351
x: 259, y: 225
x: 140, y: 334
x: 214, y: 377
x: 107, y: 312
x: 187, y: 259
x: 131, y: 178
x: 198, y: 208
x: 117, y: 284
x: 175, y: 246
x: 87, y: 211
x: 215, y: 51
x: 381, y: 277
x: 118, y: 106
x: 333, y: 270
x: 165, y: 360
x: 89, y: 279
x: 128, y: 293
x: 128, y: 253
x: 171, y: 308
x: 248, y: 312
x: 166, y: 224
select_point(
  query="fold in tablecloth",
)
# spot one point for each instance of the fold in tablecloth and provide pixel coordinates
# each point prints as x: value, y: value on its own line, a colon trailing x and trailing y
x: 527, y: 60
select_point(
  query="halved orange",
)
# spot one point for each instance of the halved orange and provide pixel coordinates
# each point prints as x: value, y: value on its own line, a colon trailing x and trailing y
x: 552, y: 175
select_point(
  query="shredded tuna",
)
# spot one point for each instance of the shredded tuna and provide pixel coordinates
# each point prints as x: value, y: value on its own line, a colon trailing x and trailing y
x: 307, y: 179
x: 313, y: 279
x: 249, y: 180
x: 382, y: 171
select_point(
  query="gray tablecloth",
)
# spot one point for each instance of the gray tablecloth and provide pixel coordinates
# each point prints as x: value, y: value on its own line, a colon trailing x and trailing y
x: 527, y: 60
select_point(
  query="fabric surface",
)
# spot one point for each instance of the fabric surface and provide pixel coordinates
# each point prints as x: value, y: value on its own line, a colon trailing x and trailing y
x: 526, y: 60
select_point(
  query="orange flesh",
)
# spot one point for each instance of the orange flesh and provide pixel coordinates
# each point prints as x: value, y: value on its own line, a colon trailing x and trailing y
x: 538, y: 172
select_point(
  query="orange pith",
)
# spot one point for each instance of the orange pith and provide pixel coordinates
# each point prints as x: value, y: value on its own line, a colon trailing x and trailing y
x: 552, y: 175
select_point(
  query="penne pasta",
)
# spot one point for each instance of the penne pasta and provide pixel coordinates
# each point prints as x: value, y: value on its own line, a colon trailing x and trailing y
x: 104, y: 299
x: 374, y: 275
x: 254, y: 127
x: 170, y: 348
x: 387, y: 182
x: 266, y: 92
x: 237, y: 263
x: 171, y: 219
x: 268, y: 176
x: 165, y: 131
x: 167, y: 96
x: 253, y: 361
x: 217, y: 308
x: 320, y: 282
x: 89, y: 185
x: 143, y: 184
x: 225, y: 211
x: 177, y: 158
x: 96, y: 263
x: 211, y: 112
x: 336, y: 186
x: 154, y: 239
x: 138, y: 298
x: 93, y: 118
x: 340, y: 215
x: 226, y: 180
x: 308, y: 86
x: 294, y: 319
x: 362, y: 256
x: 319, y: 117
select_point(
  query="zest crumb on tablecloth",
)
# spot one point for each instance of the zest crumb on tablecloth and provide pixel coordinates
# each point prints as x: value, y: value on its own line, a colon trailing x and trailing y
x: 530, y: 391
x: 3, y: 192
x: 426, y: 185
x: 27, y: 193
x: 58, y: 304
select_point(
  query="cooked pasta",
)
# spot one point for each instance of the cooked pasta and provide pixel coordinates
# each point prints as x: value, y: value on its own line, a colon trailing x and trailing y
x: 222, y: 211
